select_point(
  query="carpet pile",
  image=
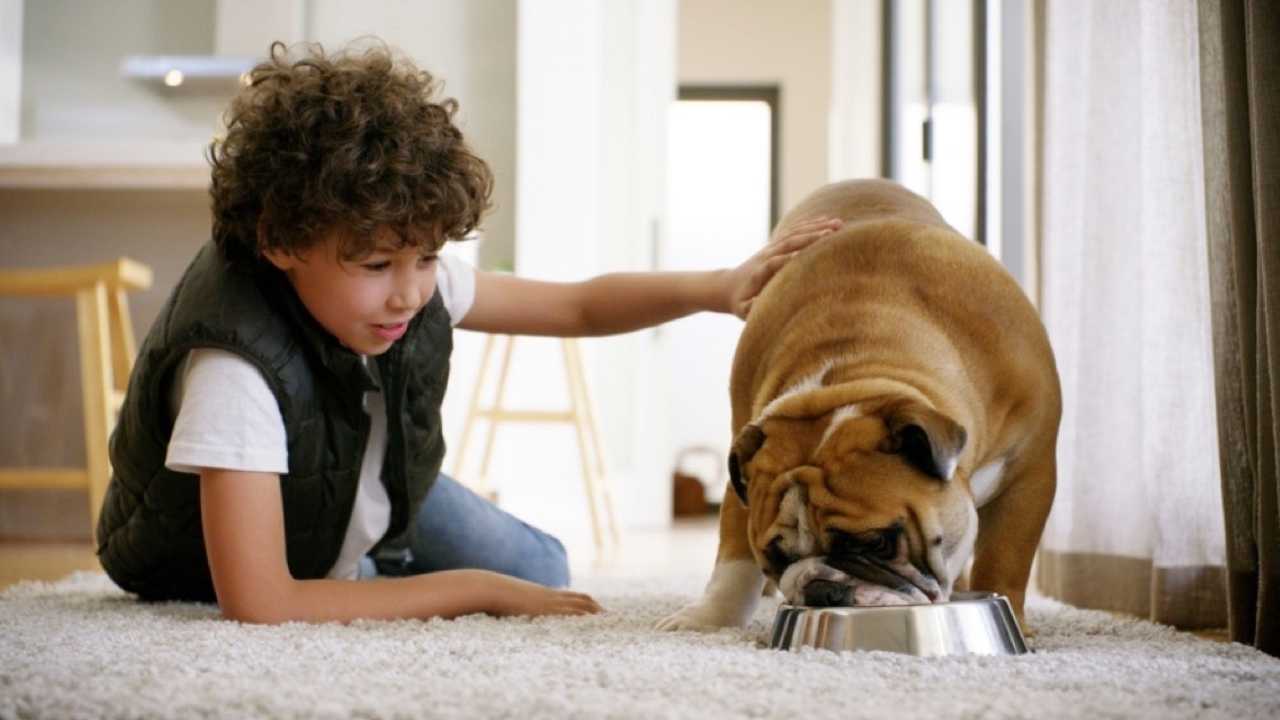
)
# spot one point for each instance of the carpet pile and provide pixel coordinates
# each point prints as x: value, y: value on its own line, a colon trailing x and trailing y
x: 82, y: 648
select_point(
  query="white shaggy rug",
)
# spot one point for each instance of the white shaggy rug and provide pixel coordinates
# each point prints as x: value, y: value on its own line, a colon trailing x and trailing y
x: 81, y: 648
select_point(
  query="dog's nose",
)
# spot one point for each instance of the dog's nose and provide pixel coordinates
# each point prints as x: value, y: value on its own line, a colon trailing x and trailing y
x: 824, y: 593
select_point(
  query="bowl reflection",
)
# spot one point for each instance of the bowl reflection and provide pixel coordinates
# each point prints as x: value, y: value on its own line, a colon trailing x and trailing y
x: 969, y: 624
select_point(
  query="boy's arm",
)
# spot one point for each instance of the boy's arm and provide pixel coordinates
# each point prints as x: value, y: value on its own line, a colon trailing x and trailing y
x: 243, y: 522
x: 622, y: 302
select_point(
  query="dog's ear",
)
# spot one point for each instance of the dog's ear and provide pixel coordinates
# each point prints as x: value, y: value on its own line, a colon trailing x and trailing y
x: 744, y: 448
x: 927, y: 439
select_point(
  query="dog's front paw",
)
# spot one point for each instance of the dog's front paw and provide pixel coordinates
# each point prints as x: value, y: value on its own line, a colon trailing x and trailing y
x: 699, y: 617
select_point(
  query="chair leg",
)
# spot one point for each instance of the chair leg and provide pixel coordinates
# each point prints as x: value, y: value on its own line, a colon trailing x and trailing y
x: 96, y: 382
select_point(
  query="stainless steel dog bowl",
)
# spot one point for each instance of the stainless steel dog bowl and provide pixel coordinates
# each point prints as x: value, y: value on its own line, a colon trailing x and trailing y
x: 970, y: 624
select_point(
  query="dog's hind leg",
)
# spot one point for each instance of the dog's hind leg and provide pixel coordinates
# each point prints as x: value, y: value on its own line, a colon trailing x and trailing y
x: 1009, y: 529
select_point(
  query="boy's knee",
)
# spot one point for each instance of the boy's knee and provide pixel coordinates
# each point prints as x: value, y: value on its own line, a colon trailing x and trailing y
x: 554, y: 568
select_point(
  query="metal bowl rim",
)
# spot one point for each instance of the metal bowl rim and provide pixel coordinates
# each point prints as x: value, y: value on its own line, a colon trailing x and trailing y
x: 971, y: 598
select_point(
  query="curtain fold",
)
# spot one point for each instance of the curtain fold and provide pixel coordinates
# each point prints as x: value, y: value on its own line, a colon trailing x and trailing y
x: 1137, y: 524
x: 1240, y: 106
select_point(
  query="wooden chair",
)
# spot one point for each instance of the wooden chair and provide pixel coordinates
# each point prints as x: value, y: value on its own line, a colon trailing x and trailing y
x: 599, y: 494
x: 107, y: 351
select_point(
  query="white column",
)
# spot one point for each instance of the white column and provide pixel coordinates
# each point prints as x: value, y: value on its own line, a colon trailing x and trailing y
x: 854, y: 132
x: 594, y: 81
x: 639, y: 86
x: 557, y: 138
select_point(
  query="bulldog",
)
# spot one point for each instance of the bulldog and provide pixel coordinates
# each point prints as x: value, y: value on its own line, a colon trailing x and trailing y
x: 895, y: 415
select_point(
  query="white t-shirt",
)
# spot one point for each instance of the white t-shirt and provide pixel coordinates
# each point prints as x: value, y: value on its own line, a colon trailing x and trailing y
x: 227, y: 418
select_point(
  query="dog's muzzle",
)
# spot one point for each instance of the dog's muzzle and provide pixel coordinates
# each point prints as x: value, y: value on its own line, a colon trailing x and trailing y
x: 815, y: 582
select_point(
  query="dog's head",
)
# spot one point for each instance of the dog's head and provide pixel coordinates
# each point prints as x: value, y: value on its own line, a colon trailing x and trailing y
x: 857, y: 503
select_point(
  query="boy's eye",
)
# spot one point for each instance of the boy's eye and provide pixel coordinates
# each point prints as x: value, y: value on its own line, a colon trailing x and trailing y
x: 380, y: 265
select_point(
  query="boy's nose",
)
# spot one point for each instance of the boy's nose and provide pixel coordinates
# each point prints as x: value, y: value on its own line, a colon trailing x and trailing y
x: 407, y: 297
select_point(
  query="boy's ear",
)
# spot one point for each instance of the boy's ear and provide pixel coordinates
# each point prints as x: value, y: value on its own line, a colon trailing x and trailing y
x: 283, y: 261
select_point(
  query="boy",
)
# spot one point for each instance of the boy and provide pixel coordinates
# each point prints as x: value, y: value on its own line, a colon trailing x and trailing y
x: 281, y: 433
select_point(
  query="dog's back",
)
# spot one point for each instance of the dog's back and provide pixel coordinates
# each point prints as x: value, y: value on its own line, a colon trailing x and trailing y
x: 866, y: 200
x: 896, y: 275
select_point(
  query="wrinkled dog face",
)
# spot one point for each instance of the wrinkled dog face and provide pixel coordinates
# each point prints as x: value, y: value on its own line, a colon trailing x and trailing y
x: 859, y: 507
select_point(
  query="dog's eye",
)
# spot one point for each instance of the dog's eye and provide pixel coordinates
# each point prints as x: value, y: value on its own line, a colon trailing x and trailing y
x: 886, y: 545
x: 881, y: 544
x: 777, y: 557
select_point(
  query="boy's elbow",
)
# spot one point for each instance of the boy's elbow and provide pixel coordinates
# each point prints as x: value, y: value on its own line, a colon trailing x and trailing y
x: 255, y: 606
x: 250, y: 614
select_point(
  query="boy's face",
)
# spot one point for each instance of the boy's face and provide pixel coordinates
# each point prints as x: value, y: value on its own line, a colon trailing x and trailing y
x: 365, y: 303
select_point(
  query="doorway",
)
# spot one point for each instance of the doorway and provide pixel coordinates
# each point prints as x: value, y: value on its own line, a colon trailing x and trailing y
x: 722, y: 202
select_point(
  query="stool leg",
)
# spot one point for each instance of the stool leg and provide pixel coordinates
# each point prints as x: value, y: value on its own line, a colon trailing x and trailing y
x: 96, y: 382
x: 573, y: 376
x: 605, y: 486
x: 122, y: 345
x: 494, y: 418
x: 473, y: 411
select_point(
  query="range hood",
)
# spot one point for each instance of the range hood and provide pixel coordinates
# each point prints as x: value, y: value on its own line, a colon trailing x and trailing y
x: 176, y: 71
x: 243, y: 30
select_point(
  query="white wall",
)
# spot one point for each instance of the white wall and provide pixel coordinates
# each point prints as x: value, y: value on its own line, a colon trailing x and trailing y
x: 72, y: 90
x: 71, y: 85
x: 787, y: 42
x: 10, y: 69
x: 470, y: 45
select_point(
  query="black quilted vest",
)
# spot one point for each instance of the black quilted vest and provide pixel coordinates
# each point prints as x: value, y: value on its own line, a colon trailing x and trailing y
x: 149, y: 534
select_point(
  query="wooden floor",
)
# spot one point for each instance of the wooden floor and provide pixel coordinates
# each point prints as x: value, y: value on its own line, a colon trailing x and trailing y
x: 33, y: 560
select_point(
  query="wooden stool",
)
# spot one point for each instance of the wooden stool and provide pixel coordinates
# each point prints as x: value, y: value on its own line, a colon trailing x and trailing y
x: 579, y: 415
x: 107, y: 351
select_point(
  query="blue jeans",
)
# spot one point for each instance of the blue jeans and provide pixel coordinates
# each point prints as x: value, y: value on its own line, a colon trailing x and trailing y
x: 457, y: 529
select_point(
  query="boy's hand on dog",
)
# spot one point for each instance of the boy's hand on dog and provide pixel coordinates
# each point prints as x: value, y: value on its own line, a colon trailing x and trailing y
x: 747, y: 280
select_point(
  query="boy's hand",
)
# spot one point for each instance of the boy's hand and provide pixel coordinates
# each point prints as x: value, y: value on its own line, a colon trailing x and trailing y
x: 748, y: 279
x: 513, y: 596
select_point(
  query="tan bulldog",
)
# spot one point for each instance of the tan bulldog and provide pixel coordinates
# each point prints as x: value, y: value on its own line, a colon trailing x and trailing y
x: 895, y: 412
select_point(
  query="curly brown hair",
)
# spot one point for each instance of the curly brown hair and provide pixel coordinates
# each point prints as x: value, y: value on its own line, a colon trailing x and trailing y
x: 352, y: 141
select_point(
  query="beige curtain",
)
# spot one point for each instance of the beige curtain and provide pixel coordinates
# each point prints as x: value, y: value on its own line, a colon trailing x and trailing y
x: 1137, y: 525
x: 1240, y: 88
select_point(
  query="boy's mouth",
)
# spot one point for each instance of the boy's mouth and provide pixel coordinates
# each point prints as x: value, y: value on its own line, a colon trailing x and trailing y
x: 392, y: 331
